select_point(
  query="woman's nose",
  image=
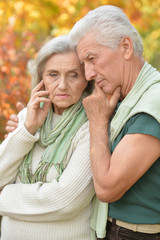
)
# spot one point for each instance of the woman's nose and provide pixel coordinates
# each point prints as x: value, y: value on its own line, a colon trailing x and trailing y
x: 62, y: 83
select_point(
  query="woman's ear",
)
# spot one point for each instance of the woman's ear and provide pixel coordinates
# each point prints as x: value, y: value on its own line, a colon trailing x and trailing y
x: 126, y: 47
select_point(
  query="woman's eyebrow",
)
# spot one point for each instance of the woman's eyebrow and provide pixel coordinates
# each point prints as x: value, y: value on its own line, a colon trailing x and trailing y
x: 52, y: 69
x: 74, y: 69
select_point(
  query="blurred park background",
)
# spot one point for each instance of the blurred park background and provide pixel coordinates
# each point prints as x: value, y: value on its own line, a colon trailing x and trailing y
x: 26, y: 24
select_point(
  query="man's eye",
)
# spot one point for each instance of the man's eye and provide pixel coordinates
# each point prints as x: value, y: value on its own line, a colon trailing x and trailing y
x: 91, y: 59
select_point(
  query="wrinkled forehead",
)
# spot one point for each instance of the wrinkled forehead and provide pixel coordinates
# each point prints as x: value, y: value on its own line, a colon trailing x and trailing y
x: 64, y: 61
x: 86, y: 45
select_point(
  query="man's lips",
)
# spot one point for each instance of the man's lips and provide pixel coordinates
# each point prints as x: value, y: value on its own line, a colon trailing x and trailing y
x: 100, y: 83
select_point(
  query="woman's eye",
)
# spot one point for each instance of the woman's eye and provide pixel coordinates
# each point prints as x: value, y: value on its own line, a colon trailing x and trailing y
x: 53, y: 74
x: 74, y: 75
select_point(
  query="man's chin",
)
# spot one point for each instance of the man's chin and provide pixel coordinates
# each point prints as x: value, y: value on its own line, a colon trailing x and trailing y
x: 106, y: 92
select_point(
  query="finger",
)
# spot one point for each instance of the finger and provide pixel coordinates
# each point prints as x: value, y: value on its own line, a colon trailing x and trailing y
x: 39, y: 86
x: 20, y: 106
x: 46, y: 106
x: 13, y: 118
x: 5, y: 136
x: 41, y: 94
x: 9, y: 129
x: 94, y: 91
x: 115, y: 96
x: 98, y: 89
x: 38, y: 102
x: 11, y: 123
x: 43, y: 99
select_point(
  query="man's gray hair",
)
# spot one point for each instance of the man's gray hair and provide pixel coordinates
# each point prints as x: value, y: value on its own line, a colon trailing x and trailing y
x: 109, y: 25
x: 57, y: 45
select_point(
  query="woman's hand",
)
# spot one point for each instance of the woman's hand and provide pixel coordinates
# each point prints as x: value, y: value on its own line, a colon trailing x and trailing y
x: 12, y: 123
x: 35, y: 114
x: 99, y: 107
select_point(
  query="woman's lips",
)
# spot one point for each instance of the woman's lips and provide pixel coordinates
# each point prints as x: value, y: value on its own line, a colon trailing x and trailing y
x: 62, y: 96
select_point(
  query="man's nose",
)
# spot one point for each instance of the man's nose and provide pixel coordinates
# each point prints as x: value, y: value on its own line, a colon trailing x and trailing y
x: 90, y: 73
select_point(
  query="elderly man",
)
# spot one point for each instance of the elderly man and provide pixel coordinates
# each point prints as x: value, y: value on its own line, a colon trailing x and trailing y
x: 124, y: 115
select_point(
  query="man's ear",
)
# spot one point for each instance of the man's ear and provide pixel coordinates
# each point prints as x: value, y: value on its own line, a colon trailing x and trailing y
x: 126, y: 47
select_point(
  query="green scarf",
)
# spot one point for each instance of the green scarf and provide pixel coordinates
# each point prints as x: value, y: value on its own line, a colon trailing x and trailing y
x: 57, y: 142
x: 144, y: 97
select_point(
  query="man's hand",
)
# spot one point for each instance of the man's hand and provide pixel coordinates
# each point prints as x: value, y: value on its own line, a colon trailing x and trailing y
x: 99, y: 107
x: 12, y: 123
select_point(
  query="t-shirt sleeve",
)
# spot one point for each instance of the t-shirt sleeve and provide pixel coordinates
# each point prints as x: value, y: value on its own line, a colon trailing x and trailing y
x: 145, y: 124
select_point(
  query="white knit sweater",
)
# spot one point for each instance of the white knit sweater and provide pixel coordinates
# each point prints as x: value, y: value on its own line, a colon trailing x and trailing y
x: 53, y: 210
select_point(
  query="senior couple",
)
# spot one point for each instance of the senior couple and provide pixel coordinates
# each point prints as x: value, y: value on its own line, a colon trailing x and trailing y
x: 61, y: 153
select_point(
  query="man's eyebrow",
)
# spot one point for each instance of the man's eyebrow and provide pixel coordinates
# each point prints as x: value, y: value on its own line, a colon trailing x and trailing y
x: 86, y: 56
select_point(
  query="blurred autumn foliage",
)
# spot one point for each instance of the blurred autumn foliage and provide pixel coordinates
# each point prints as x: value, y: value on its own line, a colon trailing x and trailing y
x: 26, y: 24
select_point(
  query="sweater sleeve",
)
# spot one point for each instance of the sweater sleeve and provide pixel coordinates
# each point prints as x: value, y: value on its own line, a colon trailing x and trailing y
x: 55, y: 200
x: 13, y: 149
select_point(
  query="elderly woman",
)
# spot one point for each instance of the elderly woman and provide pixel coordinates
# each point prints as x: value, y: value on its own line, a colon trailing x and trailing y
x: 45, y: 174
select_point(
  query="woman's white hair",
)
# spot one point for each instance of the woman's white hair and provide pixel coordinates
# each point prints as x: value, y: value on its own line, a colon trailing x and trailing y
x: 109, y: 25
x: 59, y: 44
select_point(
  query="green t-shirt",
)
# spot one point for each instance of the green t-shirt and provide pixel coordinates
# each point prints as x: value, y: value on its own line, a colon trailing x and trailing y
x: 141, y: 203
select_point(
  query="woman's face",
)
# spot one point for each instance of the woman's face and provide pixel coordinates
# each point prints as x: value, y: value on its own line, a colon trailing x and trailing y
x: 64, y: 78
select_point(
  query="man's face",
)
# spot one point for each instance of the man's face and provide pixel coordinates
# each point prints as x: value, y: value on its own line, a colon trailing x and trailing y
x: 102, y: 64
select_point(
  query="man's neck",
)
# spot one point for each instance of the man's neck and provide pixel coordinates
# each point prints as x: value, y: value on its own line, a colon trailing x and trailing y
x: 131, y: 72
